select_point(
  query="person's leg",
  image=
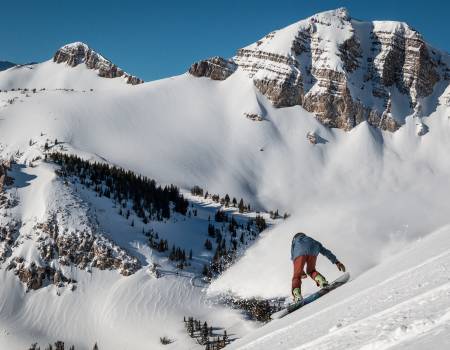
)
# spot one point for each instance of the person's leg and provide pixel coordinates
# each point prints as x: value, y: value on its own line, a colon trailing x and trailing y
x: 299, y: 264
x: 313, y: 273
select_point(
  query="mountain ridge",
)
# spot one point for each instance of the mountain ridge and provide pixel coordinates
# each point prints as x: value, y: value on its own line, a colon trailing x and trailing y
x: 78, y: 52
x: 344, y: 71
x: 82, y: 254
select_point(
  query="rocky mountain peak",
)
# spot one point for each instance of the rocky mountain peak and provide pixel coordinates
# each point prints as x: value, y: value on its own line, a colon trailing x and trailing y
x: 79, y: 53
x: 343, y: 70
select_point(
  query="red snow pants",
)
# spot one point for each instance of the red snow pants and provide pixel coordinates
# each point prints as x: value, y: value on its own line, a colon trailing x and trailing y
x: 299, y: 264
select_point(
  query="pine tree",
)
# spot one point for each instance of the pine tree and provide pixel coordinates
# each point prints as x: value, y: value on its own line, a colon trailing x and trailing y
x: 241, y: 206
x: 227, y: 200
x: 208, y: 244
x: 225, y: 337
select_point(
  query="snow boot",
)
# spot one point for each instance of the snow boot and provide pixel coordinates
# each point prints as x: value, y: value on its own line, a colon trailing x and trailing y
x: 321, y: 281
x: 297, y: 295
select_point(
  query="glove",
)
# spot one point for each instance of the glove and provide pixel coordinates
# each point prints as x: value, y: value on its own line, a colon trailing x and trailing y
x: 340, y: 266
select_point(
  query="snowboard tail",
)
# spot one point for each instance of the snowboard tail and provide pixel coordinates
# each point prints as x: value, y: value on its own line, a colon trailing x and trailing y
x: 310, y: 298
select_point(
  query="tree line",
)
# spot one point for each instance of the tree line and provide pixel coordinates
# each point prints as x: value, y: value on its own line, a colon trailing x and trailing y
x: 149, y: 200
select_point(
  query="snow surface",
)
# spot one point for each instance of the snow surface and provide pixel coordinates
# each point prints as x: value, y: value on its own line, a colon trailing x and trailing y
x: 372, y: 197
x: 403, y: 303
x: 115, y: 311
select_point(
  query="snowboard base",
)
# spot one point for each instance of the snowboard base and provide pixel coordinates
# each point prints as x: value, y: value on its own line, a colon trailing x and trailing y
x: 310, y: 298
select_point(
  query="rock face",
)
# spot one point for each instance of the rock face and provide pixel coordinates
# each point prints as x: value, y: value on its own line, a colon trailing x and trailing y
x: 215, y: 68
x: 343, y: 70
x: 9, y: 233
x: 84, y: 249
x: 78, y: 53
x: 35, y: 277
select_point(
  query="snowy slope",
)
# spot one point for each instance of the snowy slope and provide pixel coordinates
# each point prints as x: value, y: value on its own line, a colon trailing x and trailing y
x: 403, y: 303
x: 50, y: 75
x: 114, y: 311
x: 367, y: 194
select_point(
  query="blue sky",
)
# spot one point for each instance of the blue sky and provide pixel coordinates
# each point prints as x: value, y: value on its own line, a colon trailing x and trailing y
x: 157, y: 39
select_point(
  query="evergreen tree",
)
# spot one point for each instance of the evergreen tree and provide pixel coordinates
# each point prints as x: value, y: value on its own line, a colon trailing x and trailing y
x: 227, y: 200
x: 211, y: 230
x: 208, y: 244
x: 260, y: 223
x: 241, y: 206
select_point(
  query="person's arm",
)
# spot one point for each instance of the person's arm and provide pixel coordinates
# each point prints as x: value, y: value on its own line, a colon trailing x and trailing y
x: 292, y: 250
x: 325, y: 252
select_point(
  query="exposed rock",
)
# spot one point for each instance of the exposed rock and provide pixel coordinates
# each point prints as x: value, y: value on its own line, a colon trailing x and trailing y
x: 9, y: 232
x: 350, y: 54
x: 421, y: 128
x: 78, y: 53
x: 83, y: 249
x: 311, y: 137
x: 253, y: 116
x: 320, y: 64
x: 2, y: 177
x: 314, y: 138
x: 215, y: 68
x: 35, y: 277
x: 5, y: 180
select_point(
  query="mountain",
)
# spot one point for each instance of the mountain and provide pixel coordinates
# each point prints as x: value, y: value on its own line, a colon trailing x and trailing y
x: 6, y: 65
x: 341, y: 124
x: 79, y: 53
x: 343, y: 70
x: 73, y: 66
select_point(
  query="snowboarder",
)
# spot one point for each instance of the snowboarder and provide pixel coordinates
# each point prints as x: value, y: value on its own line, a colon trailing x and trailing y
x: 304, y: 251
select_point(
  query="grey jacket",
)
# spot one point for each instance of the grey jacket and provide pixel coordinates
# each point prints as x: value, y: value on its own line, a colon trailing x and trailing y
x: 304, y: 245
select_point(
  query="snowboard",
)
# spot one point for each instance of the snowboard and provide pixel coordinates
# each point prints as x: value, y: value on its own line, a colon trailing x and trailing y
x: 310, y: 298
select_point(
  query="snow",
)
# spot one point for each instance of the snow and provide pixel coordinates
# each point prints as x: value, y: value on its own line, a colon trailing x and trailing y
x: 115, y: 311
x: 51, y: 75
x: 402, y: 300
x: 373, y: 197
